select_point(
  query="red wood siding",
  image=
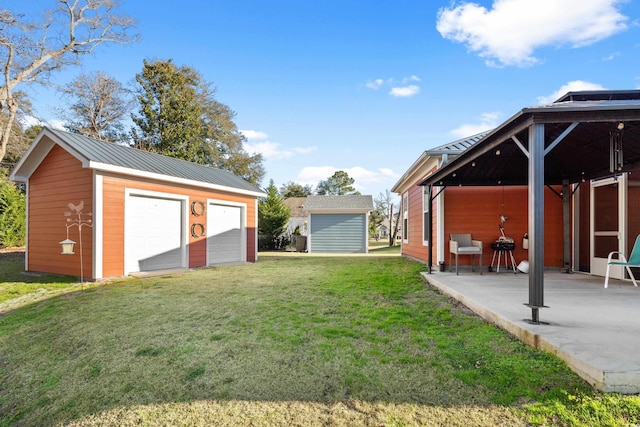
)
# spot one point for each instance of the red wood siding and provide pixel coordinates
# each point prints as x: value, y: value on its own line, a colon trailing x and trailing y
x: 114, y: 195
x: 58, y: 181
x: 477, y: 210
x: 414, y: 247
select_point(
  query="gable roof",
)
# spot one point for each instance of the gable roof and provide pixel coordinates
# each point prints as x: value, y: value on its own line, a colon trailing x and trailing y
x: 296, y: 204
x: 430, y: 158
x: 355, y: 203
x: 109, y: 157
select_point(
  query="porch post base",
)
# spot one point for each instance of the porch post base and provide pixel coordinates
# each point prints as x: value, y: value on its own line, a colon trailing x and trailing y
x: 535, y: 317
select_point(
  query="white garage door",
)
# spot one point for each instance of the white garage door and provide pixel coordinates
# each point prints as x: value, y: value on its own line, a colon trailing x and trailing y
x: 154, y: 237
x: 225, y: 234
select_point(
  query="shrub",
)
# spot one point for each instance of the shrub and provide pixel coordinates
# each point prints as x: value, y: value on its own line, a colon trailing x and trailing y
x: 13, y: 207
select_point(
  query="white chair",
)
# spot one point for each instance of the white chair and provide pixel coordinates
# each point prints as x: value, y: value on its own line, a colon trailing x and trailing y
x: 634, y: 261
x: 463, y: 244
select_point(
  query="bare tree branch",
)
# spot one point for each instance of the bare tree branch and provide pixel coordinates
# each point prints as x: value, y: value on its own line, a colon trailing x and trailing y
x: 31, y: 51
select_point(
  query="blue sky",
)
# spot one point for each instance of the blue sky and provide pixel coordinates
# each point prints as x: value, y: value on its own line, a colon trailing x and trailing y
x: 367, y: 86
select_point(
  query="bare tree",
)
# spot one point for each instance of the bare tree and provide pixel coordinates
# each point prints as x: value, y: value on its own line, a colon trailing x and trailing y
x: 30, y: 51
x: 98, y: 104
x: 385, y: 206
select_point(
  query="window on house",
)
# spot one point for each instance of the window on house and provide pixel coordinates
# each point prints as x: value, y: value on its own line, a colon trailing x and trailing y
x: 405, y: 217
x: 425, y: 215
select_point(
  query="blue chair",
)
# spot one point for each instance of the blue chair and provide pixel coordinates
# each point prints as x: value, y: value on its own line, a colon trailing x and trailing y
x: 634, y: 261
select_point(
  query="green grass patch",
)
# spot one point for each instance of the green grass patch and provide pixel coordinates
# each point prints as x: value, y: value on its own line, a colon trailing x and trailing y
x: 292, y: 340
x: 14, y: 283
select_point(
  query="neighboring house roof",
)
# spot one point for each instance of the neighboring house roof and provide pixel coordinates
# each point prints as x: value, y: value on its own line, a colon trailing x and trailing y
x: 110, y: 157
x: 430, y: 158
x: 296, y: 204
x: 339, y: 203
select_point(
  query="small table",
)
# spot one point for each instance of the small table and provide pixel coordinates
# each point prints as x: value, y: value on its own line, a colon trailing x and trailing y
x: 501, y: 247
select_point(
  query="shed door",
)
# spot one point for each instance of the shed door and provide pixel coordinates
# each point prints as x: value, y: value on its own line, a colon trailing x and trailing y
x: 225, y: 234
x: 154, y: 234
x: 338, y: 233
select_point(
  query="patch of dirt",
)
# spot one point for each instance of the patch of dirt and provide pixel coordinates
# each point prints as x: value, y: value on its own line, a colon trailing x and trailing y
x: 11, y: 252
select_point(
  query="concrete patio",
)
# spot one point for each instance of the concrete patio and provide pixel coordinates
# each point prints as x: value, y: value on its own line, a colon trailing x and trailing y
x: 595, y: 330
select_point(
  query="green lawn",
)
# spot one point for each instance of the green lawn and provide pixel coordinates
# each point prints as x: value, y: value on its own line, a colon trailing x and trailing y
x: 292, y: 340
x: 15, y: 286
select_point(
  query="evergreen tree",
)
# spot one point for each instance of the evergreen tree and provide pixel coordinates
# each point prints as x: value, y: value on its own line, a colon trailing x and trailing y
x: 179, y: 117
x: 273, y: 215
x: 293, y: 189
x: 338, y: 184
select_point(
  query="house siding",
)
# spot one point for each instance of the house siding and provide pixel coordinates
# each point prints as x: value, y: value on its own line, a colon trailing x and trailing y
x: 414, y: 247
x: 58, y: 181
x: 114, y: 197
x: 338, y: 233
x: 477, y: 210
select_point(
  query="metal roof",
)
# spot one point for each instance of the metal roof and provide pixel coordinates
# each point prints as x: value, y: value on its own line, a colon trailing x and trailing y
x: 447, y: 152
x: 339, y: 203
x: 97, y: 154
x: 576, y: 137
x: 457, y: 147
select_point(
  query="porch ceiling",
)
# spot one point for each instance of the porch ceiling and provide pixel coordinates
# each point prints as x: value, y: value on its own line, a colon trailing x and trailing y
x: 583, y: 153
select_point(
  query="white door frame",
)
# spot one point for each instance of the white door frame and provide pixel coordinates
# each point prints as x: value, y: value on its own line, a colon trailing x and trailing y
x: 598, y: 265
x: 184, y: 230
x: 243, y: 226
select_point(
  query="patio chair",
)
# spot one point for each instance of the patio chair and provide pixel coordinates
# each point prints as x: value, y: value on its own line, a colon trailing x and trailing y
x: 463, y: 244
x: 634, y: 261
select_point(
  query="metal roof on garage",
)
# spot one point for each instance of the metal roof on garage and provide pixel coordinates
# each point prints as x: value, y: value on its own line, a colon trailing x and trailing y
x: 101, y: 155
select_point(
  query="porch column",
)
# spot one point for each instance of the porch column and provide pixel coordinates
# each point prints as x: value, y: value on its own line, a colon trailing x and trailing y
x: 536, y: 220
x: 566, y: 224
x: 430, y: 230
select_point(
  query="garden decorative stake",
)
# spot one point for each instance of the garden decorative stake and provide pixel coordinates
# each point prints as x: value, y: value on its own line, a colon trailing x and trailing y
x: 78, y: 221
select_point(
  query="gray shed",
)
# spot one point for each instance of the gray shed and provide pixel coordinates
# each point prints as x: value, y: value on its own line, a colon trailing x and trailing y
x: 338, y: 223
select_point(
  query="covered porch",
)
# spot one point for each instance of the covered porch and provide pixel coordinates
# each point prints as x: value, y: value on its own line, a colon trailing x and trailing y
x: 593, y: 329
x: 585, y: 142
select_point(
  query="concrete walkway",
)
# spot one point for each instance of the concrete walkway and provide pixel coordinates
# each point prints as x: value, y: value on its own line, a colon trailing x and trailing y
x: 595, y: 330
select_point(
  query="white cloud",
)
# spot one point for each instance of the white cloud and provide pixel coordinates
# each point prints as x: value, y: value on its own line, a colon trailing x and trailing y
x: 611, y: 56
x: 311, y: 175
x: 55, y: 124
x: 413, y: 78
x: 389, y: 173
x: 254, y: 134
x: 399, y: 88
x: 270, y: 150
x: 28, y: 121
x: 374, y: 84
x: 273, y: 151
x: 487, y: 121
x: 510, y: 32
x: 572, y: 86
x: 404, y: 91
